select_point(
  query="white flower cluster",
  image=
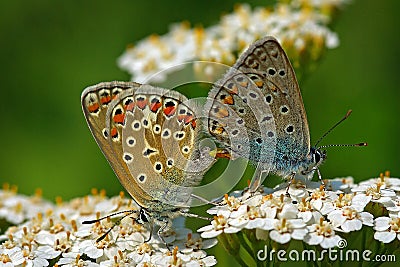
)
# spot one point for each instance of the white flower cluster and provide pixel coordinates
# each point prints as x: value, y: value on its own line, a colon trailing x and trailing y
x: 299, y: 26
x: 55, y: 235
x: 15, y: 208
x: 312, y: 213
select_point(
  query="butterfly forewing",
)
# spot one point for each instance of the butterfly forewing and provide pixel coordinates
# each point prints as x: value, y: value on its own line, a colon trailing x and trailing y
x: 267, y: 59
x: 263, y: 97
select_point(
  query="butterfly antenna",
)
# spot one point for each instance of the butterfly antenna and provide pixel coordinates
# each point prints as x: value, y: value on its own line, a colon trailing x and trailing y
x: 359, y: 144
x: 333, y: 127
x: 127, y: 213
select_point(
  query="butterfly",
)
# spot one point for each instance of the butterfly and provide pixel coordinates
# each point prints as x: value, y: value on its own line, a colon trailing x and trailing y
x: 149, y: 137
x: 256, y: 112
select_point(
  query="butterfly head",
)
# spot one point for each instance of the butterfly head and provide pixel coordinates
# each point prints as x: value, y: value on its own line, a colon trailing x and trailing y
x: 314, y: 159
x: 143, y: 217
x: 318, y: 157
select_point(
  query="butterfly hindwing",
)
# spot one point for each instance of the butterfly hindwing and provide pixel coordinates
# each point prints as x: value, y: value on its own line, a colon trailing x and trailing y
x: 149, y: 136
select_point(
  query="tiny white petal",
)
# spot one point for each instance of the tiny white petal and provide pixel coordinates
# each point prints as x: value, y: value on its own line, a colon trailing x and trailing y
x: 211, y: 234
x: 367, y: 218
x: 336, y: 218
x: 299, y: 234
x: 209, y: 261
x: 278, y: 237
x: 256, y: 223
x: 232, y: 230
x: 239, y: 222
x: 208, y: 227
x: 385, y: 237
x: 313, y: 239
x: 382, y: 223
x: 330, y: 242
x: 242, y: 210
x: 269, y: 224
x: 351, y: 225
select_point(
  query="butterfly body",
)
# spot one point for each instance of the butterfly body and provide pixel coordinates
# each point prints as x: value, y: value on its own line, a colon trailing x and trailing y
x: 256, y: 111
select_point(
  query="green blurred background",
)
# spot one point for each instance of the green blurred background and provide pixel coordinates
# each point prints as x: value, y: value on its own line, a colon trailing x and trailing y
x: 50, y: 50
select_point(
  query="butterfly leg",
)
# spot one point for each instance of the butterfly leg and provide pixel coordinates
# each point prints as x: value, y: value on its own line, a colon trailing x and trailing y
x: 167, y: 224
x: 258, y: 178
x: 320, y: 178
x: 291, y: 179
x: 192, y: 215
x: 205, y: 201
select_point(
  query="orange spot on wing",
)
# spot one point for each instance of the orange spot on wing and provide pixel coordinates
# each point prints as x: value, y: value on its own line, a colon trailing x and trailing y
x: 130, y: 106
x: 114, y: 132
x: 217, y: 130
x: 244, y: 83
x: 141, y: 103
x: 119, y: 118
x: 222, y: 113
x: 155, y: 106
x: 188, y: 118
x: 259, y: 83
x: 169, y: 111
x: 228, y: 100
x: 105, y: 100
x: 194, y: 124
x: 93, y: 108
x: 181, y: 117
x: 232, y: 88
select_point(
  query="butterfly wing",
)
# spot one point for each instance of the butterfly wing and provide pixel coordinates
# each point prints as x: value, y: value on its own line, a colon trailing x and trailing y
x: 262, y: 91
x: 151, y: 144
x: 96, y: 101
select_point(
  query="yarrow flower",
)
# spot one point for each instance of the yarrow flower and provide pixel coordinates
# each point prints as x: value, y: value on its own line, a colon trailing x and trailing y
x: 300, y: 26
x: 59, y: 237
x: 321, y: 218
x: 16, y: 208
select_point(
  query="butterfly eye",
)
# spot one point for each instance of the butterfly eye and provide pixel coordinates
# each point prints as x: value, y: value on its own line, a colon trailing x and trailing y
x: 317, y: 157
x: 145, y: 123
x: 185, y: 150
x: 105, y: 133
x: 143, y: 217
x: 157, y: 129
